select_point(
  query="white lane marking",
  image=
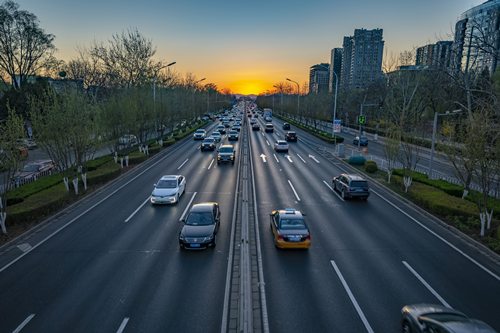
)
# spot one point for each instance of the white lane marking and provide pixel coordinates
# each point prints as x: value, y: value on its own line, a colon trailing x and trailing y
x: 24, y: 247
x: 276, y: 158
x: 351, y: 296
x: 293, y: 189
x: 263, y: 157
x: 187, y: 159
x: 135, y: 211
x: 289, y: 158
x: 88, y: 210
x: 421, y: 279
x: 187, y: 207
x: 212, y: 162
x: 439, y: 237
x: 24, y: 323
x: 328, y: 185
x: 313, y: 158
x: 301, y: 158
x: 268, y: 143
x: 122, y: 325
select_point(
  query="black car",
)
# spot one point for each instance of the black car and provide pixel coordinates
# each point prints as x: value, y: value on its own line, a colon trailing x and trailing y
x: 255, y: 127
x: 226, y: 153
x: 208, y: 144
x: 286, y: 126
x: 291, y: 136
x: 351, y: 186
x: 200, y: 226
x: 420, y: 318
x: 361, y: 141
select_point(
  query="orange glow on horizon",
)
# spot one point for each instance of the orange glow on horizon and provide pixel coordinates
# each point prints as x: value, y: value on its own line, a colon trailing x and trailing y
x: 248, y: 87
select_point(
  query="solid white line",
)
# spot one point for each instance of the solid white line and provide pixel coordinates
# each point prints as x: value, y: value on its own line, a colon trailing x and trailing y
x: 135, y: 211
x: 212, y: 162
x: 187, y: 207
x: 439, y: 237
x: 293, y: 189
x: 122, y: 326
x: 276, y: 158
x: 301, y: 158
x: 24, y: 323
x: 421, y: 279
x: 187, y: 159
x: 351, y: 296
x: 333, y: 190
x: 268, y: 143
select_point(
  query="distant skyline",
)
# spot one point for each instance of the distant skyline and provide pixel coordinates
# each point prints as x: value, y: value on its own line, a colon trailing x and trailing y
x: 246, y: 46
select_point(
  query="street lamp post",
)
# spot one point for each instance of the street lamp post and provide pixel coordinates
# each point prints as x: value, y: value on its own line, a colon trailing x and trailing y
x: 434, y: 129
x: 298, y: 98
x: 155, y: 78
x: 194, y: 89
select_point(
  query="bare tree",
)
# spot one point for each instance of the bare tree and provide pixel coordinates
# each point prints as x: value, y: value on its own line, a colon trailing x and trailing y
x: 25, y: 48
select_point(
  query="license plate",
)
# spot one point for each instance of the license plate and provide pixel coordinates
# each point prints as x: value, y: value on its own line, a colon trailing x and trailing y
x: 294, y: 238
x: 194, y: 245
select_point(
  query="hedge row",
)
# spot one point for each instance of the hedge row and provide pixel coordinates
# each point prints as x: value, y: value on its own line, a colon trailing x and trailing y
x: 451, y: 189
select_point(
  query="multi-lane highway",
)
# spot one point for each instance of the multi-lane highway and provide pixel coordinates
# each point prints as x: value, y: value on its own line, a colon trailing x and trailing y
x: 112, y: 262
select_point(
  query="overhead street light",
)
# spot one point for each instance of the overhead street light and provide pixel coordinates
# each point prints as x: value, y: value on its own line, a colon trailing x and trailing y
x: 298, y: 97
x: 156, y: 76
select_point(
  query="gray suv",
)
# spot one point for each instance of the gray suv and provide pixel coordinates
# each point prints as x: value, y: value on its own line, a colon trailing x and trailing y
x: 351, y: 186
x: 226, y: 154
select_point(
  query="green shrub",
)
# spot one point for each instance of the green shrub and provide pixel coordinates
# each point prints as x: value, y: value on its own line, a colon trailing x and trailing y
x: 451, y: 189
x: 96, y: 163
x: 136, y: 157
x: 357, y: 160
x: 18, y: 194
x: 105, y: 173
x: 371, y: 166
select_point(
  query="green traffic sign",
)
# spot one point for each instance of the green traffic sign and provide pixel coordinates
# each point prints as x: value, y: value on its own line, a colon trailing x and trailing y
x: 361, y: 120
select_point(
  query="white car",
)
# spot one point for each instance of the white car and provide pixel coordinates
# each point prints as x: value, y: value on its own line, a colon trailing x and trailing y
x: 200, y: 134
x: 168, y: 189
x: 281, y: 145
x: 216, y: 135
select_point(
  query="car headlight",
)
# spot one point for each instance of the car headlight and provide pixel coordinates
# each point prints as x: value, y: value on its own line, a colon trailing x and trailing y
x: 208, y: 238
x: 182, y: 237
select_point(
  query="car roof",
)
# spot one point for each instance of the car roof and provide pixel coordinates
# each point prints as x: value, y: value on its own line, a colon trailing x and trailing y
x: 203, y: 207
x: 290, y: 213
x: 281, y: 142
x: 170, y: 177
x: 353, y: 177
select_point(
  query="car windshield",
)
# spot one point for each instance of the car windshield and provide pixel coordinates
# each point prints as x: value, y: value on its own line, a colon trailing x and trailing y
x: 30, y: 168
x: 290, y: 224
x: 446, y: 317
x: 208, y: 140
x: 200, y: 218
x: 359, y: 183
x: 167, y: 183
x: 226, y: 150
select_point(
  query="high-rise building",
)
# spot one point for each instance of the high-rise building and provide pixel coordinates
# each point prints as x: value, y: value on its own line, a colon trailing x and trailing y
x: 477, y: 38
x: 318, y: 78
x: 335, y: 68
x: 435, y: 55
x: 362, y: 58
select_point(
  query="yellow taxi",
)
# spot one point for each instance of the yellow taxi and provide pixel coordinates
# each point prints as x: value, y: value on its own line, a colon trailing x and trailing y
x: 289, y: 229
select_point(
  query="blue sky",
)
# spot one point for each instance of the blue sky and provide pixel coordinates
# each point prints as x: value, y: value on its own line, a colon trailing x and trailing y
x: 241, y: 43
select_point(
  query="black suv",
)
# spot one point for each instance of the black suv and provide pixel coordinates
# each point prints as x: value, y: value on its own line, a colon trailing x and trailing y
x: 226, y: 154
x: 208, y: 144
x: 351, y: 186
x: 200, y: 226
x: 286, y: 126
x: 291, y: 136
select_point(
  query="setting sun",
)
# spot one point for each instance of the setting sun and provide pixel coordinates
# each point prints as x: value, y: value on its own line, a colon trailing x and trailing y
x: 248, y: 87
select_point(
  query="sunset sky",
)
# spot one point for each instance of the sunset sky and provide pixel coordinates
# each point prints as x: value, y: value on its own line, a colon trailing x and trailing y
x: 246, y: 46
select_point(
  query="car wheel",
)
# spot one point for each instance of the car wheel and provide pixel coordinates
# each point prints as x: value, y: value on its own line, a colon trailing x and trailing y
x: 342, y: 193
x: 214, y: 242
x: 178, y: 196
x: 405, y: 328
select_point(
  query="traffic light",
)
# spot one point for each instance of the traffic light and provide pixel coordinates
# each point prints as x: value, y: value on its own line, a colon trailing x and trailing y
x: 361, y: 120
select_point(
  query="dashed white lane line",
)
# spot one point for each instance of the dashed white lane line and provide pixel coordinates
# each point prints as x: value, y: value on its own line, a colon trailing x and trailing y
x: 289, y: 158
x: 123, y: 325
x: 187, y: 207
x: 24, y: 323
x: 187, y: 159
x: 135, y: 211
x: 268, y: 143
x: 439, y: 237
x: 301, y: 159
x: 421, y: 279
x: 276, y: 158
x: 353, y: 299
x: 293, y: 189
x: 212, y: 162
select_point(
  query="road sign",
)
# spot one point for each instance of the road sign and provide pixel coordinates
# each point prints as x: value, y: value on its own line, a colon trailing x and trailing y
x: 336, y: 126
x: 361, y: 120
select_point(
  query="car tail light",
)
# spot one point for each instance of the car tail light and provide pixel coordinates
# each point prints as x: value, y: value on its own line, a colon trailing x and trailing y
x: 308, y: 237
x: 280, y: 237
